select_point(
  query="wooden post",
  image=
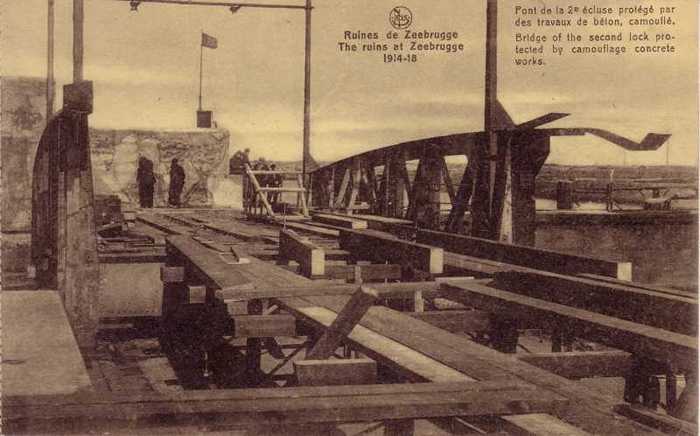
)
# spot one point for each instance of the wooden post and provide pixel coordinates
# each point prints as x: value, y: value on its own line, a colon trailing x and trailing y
x: 565, y: 195
x: 307, y: 90
x: 343, y: 189
x: 491, y: 94
x: 355, y: 185
x: 399, y: 427
x: 253, y: 347
x: 331, y: 189
x: 78, y: 18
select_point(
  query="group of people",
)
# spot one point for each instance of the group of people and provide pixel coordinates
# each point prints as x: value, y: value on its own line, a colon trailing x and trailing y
x: 237, y: 166
x: 146, y: 180
x: 269, y: 180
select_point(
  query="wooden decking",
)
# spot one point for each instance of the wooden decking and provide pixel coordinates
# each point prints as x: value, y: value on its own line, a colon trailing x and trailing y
x: 434, y: 373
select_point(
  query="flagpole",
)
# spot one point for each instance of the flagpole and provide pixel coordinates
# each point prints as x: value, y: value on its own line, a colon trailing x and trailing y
x: 50, y: 90
x: 201, y: 63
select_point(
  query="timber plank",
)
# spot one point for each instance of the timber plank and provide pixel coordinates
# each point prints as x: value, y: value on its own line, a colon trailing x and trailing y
x: 670, y: 312
x: 339, y: 221
x: 591, y: 410
x: 380, y: 247
x: 210, y: 267
x: 577, y: 364
x: 285, y: 406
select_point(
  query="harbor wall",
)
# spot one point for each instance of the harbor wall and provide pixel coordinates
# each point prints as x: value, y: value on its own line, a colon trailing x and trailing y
x: 661, y: 254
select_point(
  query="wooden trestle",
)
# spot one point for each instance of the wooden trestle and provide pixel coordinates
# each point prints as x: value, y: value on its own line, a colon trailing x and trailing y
x: 397, y: 357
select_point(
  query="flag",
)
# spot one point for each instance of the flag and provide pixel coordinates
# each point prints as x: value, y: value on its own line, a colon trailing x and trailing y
x: 209, y: 41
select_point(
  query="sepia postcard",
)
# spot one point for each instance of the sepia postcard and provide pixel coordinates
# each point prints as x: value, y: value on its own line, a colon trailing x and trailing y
x: 349, y: 217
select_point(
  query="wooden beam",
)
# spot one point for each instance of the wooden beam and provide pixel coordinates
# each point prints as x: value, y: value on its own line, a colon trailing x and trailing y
x: 264, y: 326
x: 310, y: 257
x: 355, y: 185
x: 258, y: 190
x: 206, y: 266
x: 251, y: 408
x: 448, y: 180
x: 339, y: 221
x: 377, y: 246
x: 455, y: 321
x: 543, y: 424
x: 670, y: 312
x: 336, y: 372
x: 346, y: 320
x: 665, y: 423
x: 343, y: 189
x: 536, y: 258
x: 583, y: 364
x: 653, y: 343
x: 384, y: 290
x: 368, y: 273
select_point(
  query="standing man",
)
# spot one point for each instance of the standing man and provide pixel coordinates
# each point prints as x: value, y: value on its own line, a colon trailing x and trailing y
x: 177, y: 182
x: 236, y: 165
x: 146, y: 181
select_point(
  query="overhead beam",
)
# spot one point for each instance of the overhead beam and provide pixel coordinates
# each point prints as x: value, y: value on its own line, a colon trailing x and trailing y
x: 227, y: 4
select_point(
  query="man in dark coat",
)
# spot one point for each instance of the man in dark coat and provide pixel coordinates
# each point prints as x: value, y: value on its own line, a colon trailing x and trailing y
x: 146, y: 181
x: 177, y: 182
x: 236, y: 165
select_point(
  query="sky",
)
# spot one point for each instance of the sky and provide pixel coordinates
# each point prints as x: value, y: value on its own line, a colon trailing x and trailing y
x: 145, y: 68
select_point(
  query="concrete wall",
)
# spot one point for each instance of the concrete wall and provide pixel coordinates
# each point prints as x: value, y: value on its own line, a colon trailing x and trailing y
x: 203, y: 154
x: 23, y: 102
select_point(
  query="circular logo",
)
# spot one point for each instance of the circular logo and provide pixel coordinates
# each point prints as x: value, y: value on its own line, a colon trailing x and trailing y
x: 400, y: 17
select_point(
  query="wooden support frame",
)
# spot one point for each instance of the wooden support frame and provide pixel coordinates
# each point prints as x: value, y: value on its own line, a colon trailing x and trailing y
x: 259, y: 191
x: 310, y: 257
x: 346, y: 320
x: 655, y: 344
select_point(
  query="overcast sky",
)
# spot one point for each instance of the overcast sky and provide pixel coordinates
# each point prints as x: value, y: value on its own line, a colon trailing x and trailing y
x: 145, y: 66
